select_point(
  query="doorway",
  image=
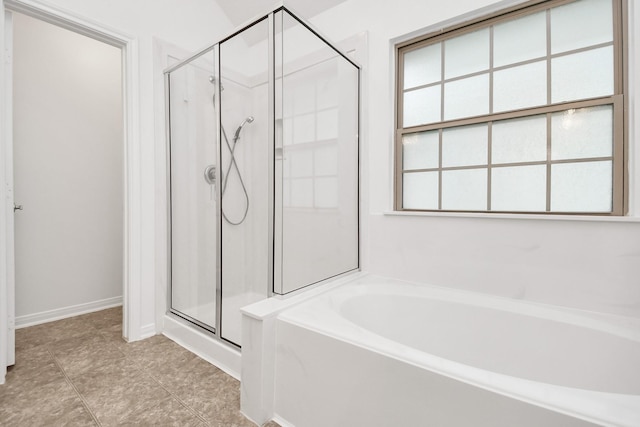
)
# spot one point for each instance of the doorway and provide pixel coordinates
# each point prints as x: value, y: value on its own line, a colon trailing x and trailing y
x: 68, y: 172
x: 132, y: 239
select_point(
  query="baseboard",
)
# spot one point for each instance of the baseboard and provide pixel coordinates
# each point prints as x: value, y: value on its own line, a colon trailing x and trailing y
x: 65, y: 312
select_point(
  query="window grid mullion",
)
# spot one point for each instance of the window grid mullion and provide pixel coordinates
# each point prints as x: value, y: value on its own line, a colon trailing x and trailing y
x: 489, y: 163
x: 442, y: 59
x: 548, y: 194
x: 548, y: 35
x: 508, y: 165
x: 489, y: 125
x: 440, y: 169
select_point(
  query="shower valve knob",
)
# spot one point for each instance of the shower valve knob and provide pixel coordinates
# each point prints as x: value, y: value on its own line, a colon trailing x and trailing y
x: 210, y: 174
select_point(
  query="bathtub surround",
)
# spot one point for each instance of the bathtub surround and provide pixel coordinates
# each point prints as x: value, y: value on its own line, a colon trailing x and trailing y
x: 532, y: 365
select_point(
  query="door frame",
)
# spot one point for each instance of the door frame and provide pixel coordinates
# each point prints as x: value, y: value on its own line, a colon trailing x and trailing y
x: 132, y: 242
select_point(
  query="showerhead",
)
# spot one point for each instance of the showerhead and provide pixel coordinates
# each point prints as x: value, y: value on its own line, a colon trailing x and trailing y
x: 249, y: 119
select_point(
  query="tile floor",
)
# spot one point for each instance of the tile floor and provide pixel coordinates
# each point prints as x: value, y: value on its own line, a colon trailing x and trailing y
x: 80, y: 372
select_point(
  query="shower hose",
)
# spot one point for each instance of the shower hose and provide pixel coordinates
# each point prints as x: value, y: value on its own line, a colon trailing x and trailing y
x: 227, y: 174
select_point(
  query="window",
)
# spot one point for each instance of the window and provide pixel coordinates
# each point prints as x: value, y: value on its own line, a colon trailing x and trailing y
x: 519, y: 112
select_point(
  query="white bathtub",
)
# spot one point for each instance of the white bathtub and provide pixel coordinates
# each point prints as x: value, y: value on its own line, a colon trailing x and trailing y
x: 381, y: 352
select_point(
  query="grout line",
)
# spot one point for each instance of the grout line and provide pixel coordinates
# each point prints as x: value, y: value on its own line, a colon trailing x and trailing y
x: 189, y: 408
x: 68, y: 380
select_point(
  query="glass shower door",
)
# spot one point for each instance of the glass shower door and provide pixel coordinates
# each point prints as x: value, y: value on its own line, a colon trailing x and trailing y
x: 193, y: 191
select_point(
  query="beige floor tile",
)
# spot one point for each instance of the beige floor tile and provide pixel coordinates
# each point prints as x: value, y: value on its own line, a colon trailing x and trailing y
x: 30, y: 363
x: 113, y: 335
x: 114, y: 397
x: 168, y: 412
x: 77, y: 355
x: 103, y: 319
x: 19, y: 380
x: 157, y: 352
x: 214, y: 395
x: 101, y: 373
x: 48, y: 333
x: 49, y: 401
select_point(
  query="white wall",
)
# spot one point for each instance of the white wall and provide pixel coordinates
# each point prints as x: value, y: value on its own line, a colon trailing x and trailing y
x: 68, y: 170
x: 191, y: 25
x: 591, y: 265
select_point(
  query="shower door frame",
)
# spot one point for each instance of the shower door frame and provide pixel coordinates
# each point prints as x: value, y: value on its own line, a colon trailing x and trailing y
x: 167, y: 101
x: 216, y: 331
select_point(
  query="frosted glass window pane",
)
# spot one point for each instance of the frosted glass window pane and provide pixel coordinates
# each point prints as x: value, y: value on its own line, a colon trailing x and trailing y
x: 302, y: 193
x: 465, y: 146
x: 520, y: 87
x: 422, y: 66
x: 519, y: 188
x: 582, y: 133
x: 519, y: 140
x: 326, y: 192
x: 582, y: 75
x: 466, y: 54
x: 581, y: 187
x: 328, y: 124
x: 301, y: 162
x: 325, y: 161
x: 304, y: 129
x: 520, y: 39
x: 466, y: 97
x: 421, y: 106
x: 464, y: 190
x: 581, y: 24
x: 420, y: 150
x: 420, y: 190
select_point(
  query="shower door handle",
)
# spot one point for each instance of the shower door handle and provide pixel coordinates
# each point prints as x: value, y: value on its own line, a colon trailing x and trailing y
x: 17, y: 207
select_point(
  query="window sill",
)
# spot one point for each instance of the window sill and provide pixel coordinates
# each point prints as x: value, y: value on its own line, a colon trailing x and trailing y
x: 588, y: 218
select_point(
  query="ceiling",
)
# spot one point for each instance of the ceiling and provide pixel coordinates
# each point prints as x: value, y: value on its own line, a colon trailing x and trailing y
x: 241, y: 11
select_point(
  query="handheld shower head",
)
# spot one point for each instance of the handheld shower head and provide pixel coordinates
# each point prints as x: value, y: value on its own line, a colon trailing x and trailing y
x: 249, y: 119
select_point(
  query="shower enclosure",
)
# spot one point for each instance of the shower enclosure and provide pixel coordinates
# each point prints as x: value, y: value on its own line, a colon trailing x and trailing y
x: 263, y: 170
